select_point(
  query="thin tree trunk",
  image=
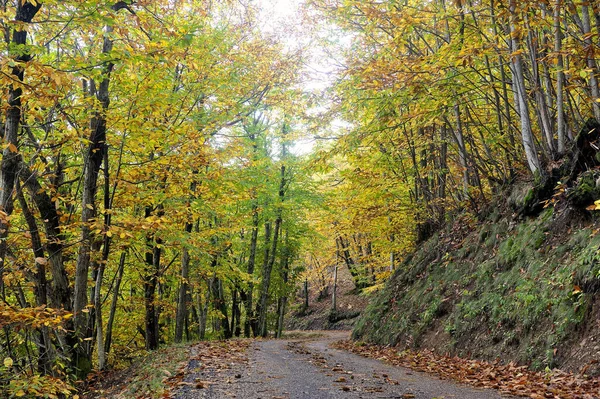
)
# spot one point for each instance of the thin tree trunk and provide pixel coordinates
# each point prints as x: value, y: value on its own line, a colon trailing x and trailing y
x: 560, y: 81
x: 46, y: 356
x: 151, y: 276
x: 306, y: 295
x: 334, y: 294
x: 285, y: 260
x: 203, y: 308
x: 113, y: 305
x: 11, y: 157
x: 268, y: 265
x: 93, y: 159
x: 541, y: 106
x: 222, y: 322
x: 590, y: 58
x: 235, y: 314
x: 250, y: 322
x: 181, y: 314
x: 259, y: 305
x: 101, y: 266
x: 521, y: 94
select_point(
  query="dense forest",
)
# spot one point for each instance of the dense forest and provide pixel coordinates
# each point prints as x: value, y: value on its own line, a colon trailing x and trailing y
x: 153, y: 190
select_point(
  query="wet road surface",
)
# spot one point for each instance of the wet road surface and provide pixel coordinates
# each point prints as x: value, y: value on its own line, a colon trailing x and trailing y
x: 308, y: 368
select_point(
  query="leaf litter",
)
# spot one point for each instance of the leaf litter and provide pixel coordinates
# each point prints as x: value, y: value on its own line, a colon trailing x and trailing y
x: 506, y: 378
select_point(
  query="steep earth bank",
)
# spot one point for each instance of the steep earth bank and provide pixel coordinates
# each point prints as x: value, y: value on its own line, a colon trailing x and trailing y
x: 513, y: 287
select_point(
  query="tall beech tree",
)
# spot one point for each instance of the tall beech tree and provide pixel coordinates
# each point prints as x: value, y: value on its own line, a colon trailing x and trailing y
x: 447, y: 102
x: 121, y: 180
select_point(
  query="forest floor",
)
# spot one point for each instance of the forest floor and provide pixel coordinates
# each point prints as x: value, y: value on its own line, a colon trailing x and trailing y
x: 318, y: 315
x: 323, y: 365
x: 306, y: 365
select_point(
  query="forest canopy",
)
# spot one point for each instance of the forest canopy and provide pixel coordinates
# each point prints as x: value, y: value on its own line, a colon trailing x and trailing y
x: 151, y: 189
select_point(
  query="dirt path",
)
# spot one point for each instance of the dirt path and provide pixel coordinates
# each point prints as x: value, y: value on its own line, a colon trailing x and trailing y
x: 308, y: 368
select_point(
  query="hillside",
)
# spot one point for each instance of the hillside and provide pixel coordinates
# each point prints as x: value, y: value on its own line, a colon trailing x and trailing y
x: 521, y: 289
x: 319, y: 315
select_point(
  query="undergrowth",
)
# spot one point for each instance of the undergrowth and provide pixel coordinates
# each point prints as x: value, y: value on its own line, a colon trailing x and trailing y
x: 513, y: 289
x: 146, y: 378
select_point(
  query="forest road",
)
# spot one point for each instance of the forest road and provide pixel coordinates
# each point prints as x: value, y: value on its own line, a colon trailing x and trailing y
x: 308, y: 368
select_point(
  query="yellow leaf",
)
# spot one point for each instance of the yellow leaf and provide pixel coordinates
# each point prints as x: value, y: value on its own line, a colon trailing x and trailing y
x: 20, y: 393
x: 109, y: 233
x: 8, y: 362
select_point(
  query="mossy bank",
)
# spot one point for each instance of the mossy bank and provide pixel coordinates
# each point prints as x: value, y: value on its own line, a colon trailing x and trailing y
x: 518, y: 289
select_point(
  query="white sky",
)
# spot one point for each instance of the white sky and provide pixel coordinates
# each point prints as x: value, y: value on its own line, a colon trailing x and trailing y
x: 283, y: 18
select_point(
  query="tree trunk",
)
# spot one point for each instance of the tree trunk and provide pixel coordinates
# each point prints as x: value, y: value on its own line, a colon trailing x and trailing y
x: 101, y: 266
x: 11, y: 157
x: 218, y: 300
x: 282, y: 304
x: 334, y: 295
x: 560, y: 81
x: 44, y: 343
x: 541, y: 106
x: 462, y: 149
x: 113, y: 305
x: 181, y: 314
x: 261, y: 306
x: 151, y: 275
x: 306, y: 295
x: 93, y: 159
x: 60, y: 294
x: 203, y: 308
x: 270, y: 256
x: 250, y: 322
x: 235, y: 315
x: 590, y: 58
x: 521, y: 94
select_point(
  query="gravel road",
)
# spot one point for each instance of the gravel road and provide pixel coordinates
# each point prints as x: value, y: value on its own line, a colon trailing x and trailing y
x: 307, y: 368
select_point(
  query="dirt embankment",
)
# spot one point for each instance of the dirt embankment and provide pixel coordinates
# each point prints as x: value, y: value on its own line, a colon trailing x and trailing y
x: 319, y: 314
x: 521, y: 289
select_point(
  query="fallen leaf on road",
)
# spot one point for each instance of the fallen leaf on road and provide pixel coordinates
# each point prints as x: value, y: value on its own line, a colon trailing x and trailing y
x: 507, y: 378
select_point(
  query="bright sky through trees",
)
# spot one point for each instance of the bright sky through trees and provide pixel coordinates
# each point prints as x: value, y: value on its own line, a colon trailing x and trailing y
x: 287, y: 20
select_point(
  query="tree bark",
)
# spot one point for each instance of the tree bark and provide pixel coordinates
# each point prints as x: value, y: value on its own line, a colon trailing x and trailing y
x: 218, y: 298
x: 181, y: 314
x: 541, y: 106
x: 60, y: 294
x: 46, y: 353
x: 283, y: 300
x: 93, y: 159
x: 521, y: 94
x: 113, y: 305
x: 590, y: 58
x: 270, y: 256
x: 153, y: 254
x: 560, y: 81
x: 11, y: 157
